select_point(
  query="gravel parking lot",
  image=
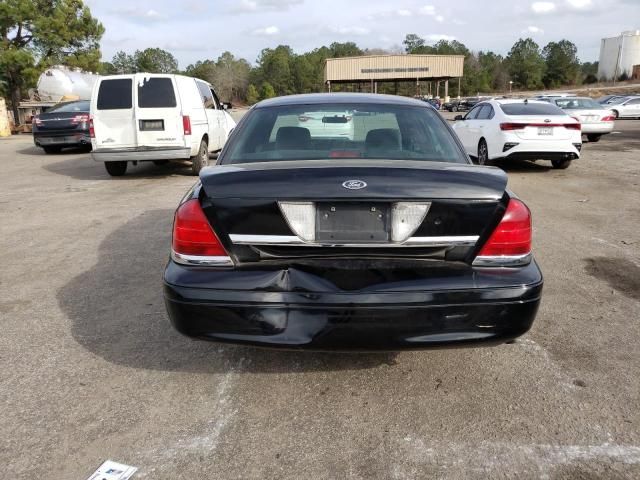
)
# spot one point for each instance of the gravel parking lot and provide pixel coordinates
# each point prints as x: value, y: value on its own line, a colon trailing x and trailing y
x: 91, y: 368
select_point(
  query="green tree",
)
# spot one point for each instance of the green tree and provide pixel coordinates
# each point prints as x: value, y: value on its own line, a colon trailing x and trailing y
x: 123, y: 63
x: 525, y: 64
x: 204, y: 70
x: 267, y: 91
x: 35, y: 34
x: 274, y: 67
x: 155, y: 60
x: 347, y: 49
x: 562, y: 64
x: 412, y: 43
x: 252, y: 94
x: 231, y: 76
x: 589, y: 72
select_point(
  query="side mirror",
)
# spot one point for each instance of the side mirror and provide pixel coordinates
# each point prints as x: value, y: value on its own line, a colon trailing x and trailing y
x: 458, y: 118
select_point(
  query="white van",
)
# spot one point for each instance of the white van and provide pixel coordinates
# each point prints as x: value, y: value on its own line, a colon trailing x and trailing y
x: 156, y: 117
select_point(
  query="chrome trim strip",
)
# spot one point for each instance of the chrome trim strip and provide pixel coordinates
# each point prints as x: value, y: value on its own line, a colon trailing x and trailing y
x: 201, y: 261
x: 503, y: 261
x: 289, y: 240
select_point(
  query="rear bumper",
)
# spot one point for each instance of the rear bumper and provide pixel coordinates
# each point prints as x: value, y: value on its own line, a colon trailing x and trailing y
x: 140, y: 154
x: 481, y: 307
x: 600, y: 128
x: 58, y: 139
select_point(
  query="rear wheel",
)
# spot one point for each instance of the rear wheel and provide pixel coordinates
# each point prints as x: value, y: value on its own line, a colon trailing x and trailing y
x: 50, y: 150
x: 116, y: 169
x: 454, y: 109
x: 483, y: 153
x: 201, y: 160
x: 593, y: 137
x: 561, y: 164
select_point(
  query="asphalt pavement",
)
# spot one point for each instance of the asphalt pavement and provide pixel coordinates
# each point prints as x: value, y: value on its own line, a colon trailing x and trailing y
x: 90, y: 368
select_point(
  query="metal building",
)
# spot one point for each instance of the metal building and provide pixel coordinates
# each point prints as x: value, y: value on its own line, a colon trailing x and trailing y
x: 374, y: 69
x: 619, y: 55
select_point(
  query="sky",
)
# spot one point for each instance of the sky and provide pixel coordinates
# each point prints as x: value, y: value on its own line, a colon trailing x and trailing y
x: 202, y: 29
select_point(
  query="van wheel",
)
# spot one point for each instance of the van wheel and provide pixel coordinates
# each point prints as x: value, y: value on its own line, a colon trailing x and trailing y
x: 561, y: 164
x: 116, y: 169
x: 201, y: 160
x: 50, y: 150
x: 593, y: 138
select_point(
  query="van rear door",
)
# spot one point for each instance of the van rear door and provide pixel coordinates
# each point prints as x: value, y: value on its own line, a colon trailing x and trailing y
x: 157, y: 112
x: 113, y: 113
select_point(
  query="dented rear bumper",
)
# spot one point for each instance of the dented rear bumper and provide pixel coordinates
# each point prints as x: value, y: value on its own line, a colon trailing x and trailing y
x: 293, y: 308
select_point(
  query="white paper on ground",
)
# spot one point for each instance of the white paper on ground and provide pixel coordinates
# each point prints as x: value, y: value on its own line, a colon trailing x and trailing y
x: 110, y: 470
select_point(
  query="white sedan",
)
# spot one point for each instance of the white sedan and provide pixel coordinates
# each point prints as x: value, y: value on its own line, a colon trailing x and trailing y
x: 595, y: 119
x: 519, y: 129
x: 629, y: 107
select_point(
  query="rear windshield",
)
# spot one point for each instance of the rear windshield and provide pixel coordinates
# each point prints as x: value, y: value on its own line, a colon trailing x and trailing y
x: 114, y: 94
x: 71, y: 107
x: 315, y: 132
x: 531, y: 108
x: 578, y: 104
x: 156, y: 93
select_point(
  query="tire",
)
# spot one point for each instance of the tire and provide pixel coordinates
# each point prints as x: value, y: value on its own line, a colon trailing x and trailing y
x: 483, y: 153
x: 593, y: 138
x: 201, y: 160
x: 454, y: 109
x: 50, y: 150
x: 116, y: 169
x: 160, y: 162
x: 561, y: 164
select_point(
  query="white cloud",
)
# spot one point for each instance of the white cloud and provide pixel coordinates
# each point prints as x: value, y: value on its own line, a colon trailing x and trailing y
x: 543, y: 7
x: 250, y: 6
x: 439, y: 18
x: 427, y: 10
x: 533, y: 29
x: 266, y: 31
x: 580, y: 4
x: 137, y: 14
x: 403, y: 12
x: 436, y: 37
x: 348, y: 30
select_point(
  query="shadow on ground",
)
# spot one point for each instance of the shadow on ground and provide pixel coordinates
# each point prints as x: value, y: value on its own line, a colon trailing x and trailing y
x: 117, y: 313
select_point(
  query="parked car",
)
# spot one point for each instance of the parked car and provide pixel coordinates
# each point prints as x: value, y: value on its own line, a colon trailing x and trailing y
x: 63, y: 125
x: 392, y: 240
x: 606, y: 99
x: 628, y: 107
x: 519, y: 129
x: 339, y: 124
x: 435, y: 103
x: 454, y: 105
x: 595, y: 120
x: 156, y: 117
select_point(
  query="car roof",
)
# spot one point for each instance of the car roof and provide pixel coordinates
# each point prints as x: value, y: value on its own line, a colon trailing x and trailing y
x: 341, y: 98
x: 506, y: 101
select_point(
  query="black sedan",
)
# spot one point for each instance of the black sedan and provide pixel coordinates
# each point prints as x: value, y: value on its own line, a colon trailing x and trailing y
x: 379, y: 236
x: 64, y: 125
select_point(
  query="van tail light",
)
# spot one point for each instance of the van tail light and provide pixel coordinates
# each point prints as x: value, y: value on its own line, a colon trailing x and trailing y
x: 92, y: 131
x: 186, y: 124
x: 608, y: 118
x: 194, y: 242
x: 512, y: 126
x: 510, y: 243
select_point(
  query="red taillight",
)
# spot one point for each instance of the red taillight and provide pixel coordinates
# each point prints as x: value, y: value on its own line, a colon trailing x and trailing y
x: 186, y: 124
x: 573, y: 126
x: 192, y: 234
x: 608, y: 118
x: 512, y: 236
x: 512, y: 126
x: 82, y: 118
x: 92, y: 132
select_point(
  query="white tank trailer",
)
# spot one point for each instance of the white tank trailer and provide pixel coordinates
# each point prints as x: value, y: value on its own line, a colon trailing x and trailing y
x: 61, y: 82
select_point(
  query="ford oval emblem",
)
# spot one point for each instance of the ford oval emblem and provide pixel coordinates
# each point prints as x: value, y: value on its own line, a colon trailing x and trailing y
x: 354, y: 184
